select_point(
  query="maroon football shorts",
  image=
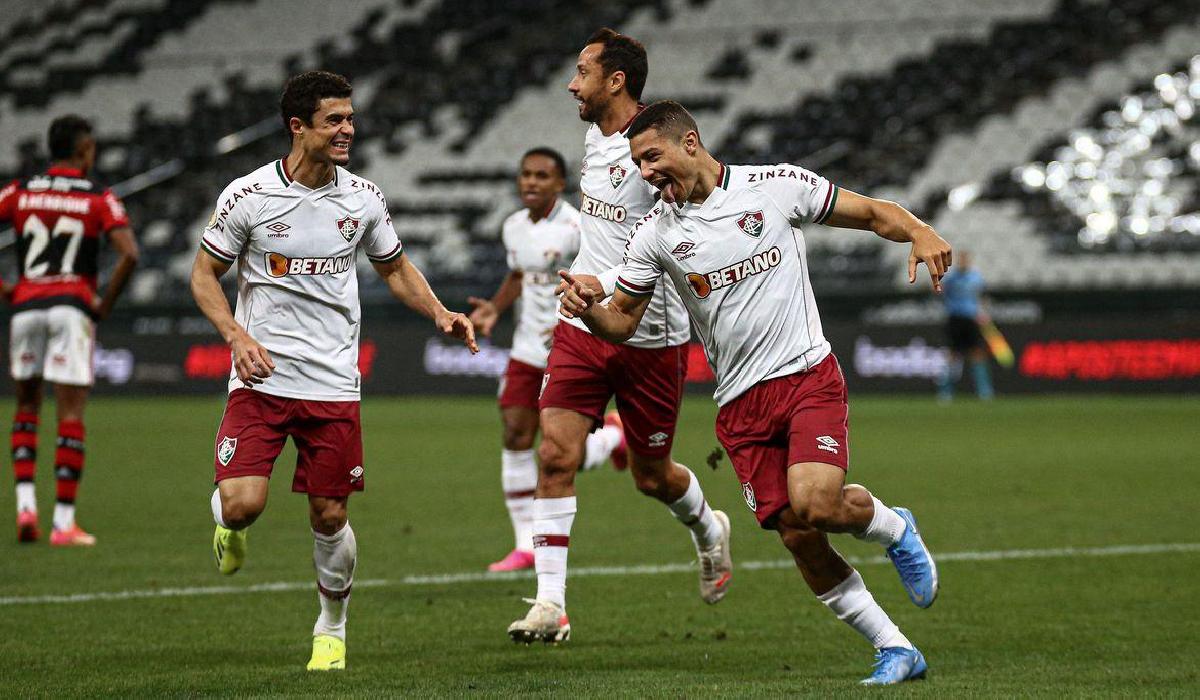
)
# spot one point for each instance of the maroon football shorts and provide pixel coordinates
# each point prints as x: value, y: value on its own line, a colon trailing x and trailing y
x: 327, y: 435
x: 520, y: 385
x: 584, y: 372
x: 779, y: 422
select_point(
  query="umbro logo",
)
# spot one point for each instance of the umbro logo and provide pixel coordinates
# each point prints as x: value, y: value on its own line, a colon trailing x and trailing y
x: 828, y: 444
x: 658, y: 439
x: 683, y: 250
x: 277, y: 230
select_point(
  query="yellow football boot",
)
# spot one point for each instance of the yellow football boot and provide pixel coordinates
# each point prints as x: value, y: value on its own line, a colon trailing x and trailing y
x: 329, y: 654
x: 229, y: 549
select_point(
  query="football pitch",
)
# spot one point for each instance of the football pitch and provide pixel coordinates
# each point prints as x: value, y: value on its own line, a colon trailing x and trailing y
x: 1066, y: 531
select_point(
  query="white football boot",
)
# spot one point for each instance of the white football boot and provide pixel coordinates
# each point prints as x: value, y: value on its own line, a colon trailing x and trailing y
x: 716, y: 564
x: 546, y: 622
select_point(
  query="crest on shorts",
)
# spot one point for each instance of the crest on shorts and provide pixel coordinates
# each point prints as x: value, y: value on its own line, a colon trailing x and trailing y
x: 225, y: 450
x: 348, y: 227
x: 616, y: 175
x: 751, y: 223
x: 748, y: 494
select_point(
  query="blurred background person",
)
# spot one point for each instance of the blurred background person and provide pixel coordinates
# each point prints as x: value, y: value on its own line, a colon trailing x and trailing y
x: 962, y: 293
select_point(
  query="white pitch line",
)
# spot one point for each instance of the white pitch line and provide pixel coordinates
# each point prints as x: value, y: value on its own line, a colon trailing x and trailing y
x: 640, y: 570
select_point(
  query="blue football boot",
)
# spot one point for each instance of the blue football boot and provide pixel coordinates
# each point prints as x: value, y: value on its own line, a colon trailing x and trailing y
x: 914, y: 563
x: 895, y: 665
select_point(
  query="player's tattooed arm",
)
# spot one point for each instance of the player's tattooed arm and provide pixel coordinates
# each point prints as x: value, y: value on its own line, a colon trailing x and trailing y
x: 895, y: 223
x: 251, y: 360
x: 615, y: 322
x: 409, y: 286
x: 122, y: 240
x: 485, y: 312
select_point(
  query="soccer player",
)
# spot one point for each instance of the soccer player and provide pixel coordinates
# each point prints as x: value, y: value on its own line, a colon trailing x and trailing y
x: 645, y: 374
x: 964, y: 315
x: 60, y: 217
x: 539, y: 239
x: 294, y: 227
x: 725, y: 240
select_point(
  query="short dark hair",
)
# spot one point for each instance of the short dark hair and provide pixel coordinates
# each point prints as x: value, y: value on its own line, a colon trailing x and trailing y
x: 559, y: 161
x: 303, y: 93
x: 64, y: 134
x: 667, y: 117
x: 625, y: 54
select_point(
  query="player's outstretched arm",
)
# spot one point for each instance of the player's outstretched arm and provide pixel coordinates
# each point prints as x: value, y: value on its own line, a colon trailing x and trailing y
x: 252, y: 361
x: 409, y: 286
x: 485, y: 312
x: 123, y: 242
x: 615, y: 322
x: 895, y: 223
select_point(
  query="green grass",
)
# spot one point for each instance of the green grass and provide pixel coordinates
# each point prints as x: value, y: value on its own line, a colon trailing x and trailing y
x: 1018, y: 473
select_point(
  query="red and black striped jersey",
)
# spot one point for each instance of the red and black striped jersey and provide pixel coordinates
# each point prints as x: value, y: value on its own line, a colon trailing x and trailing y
x: 59, y: 217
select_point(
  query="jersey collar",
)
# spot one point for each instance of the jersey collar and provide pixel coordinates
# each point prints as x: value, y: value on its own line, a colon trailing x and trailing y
x: 549, y: 212
x: 64, y: 171
x: 640, y: 107
x: 281, y: 169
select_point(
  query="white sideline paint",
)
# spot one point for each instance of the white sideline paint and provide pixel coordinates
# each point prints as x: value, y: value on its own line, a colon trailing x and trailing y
x: 642, y: 570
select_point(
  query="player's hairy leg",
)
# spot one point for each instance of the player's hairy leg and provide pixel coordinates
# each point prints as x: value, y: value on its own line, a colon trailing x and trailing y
x: 327, y: 515
x: 819, y: 563
x: 560, y: 454
x: 520, y: 427
x: 819, y: 496
x: 659, y: 477
x: 243, y: 499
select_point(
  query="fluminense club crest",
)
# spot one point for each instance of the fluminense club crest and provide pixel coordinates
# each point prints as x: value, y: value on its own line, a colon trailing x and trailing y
x: 751, y: 223
x: 616, y: 175
x: 348, y: 227
x: 748, y: 494
x: 225, y: 450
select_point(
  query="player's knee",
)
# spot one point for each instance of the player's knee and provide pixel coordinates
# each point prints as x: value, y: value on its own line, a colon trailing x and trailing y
x: 240, y: 512
x: 556, y: 460
x: 818, y: 510
x: 518, y: 437
x: 651, y: 483
x: 327, y: 516
x: 799, y: 537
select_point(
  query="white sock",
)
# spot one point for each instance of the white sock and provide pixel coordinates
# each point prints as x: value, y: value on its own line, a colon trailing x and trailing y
x: 64, y: 516
x: 334, y: 557
x: 886, y: 526
x: 552, y: 519
x: 692, y: 510
x: 218, y: 513
x: 26, y: 497
x: 518, y: 477
x: 600, y: 445
x: 853, y: 604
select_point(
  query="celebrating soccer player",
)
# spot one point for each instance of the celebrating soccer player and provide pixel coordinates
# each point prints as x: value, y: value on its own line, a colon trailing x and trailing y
x: 59, y: 216
x: 295, y: 226
x: 646, y: 373
x: 539, y: 240
x: 724, y: 237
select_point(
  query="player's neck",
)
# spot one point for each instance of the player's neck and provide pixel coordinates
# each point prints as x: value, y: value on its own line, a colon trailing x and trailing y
x: 540, y: 212
x: 621, y: 112
x: 310, y: 173
x: 708, y: 179
x: 69, y: 164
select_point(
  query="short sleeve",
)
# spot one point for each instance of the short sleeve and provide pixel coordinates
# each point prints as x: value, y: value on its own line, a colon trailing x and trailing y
x: 804, y: 196
x: 510, y: 251
x: 112, y: 212
x: 8, y: 200
x: 379, y: 241
x: 641, y: 269
x: 228, y: 228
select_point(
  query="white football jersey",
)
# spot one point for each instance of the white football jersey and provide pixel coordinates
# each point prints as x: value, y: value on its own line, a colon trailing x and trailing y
x: 614, y: 196
x: 297, y: 283
x: 538, y: 251
x: 739, y: 264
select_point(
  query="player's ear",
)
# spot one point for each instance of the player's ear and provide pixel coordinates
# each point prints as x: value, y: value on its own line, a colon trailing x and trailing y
x: 616, y: 82
x: 296, y: 124
x: 691, y: 142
